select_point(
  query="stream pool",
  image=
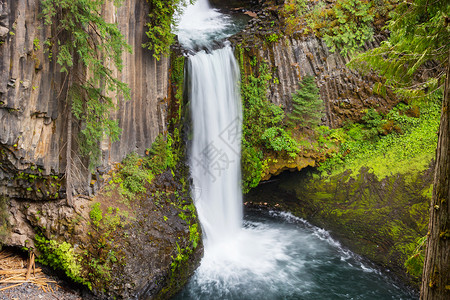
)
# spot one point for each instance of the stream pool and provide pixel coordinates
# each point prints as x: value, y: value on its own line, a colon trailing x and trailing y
x: 279, y: 256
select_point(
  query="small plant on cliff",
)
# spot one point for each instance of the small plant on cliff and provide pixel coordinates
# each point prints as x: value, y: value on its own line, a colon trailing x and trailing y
x: 134, y: 175
x: 279, y: 140
x: 59, y: 256
x: 135, y: 171
x: 161, y: 19
x: 4, y: 224
x: 96, y: 214
x: 307, y: 105
x: 373, y: 122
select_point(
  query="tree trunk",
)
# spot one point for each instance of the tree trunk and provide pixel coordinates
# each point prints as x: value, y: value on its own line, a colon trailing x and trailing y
x: 436, y: 271
x: 69, y: 188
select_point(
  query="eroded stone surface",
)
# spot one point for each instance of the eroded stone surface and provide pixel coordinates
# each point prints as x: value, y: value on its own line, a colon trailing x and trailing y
x: 33, y: 111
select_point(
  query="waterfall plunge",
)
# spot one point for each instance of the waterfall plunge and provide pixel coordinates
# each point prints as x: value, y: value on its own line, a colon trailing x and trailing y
x: 215, y: 153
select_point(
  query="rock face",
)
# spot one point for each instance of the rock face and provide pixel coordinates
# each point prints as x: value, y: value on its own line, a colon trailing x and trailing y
x: 290, y: 57
x: 381, y: 219
x: 33, y: 113
x: 121, y: 249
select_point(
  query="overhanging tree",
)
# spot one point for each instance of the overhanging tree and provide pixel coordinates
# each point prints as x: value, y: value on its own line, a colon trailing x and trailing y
x: 86, y: 47
x: 416, y: 63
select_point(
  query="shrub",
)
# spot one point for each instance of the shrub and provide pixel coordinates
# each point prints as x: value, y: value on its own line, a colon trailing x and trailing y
x: 279, y: 140
x: 134, y: 176
x: 59, y: 256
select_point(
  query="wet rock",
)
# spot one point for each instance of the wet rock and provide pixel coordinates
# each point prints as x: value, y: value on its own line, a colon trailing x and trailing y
x: 380, y: 219
x: 142, y: 236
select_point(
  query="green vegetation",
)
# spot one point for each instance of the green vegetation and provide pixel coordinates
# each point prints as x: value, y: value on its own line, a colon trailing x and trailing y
x: 414, y: 263
x: 268, y: 135
x: 395, y: 143
x: 292, y: 12
x: 416, y: 39
x: 135, y: 172
x: 183, y: 254
x: 383, y: 224
x: 84, y: 38
x: 307, y: 105
x: 134, y: 175
x: 279, y: 140
x: 415, y: 62
x: 345, y: 25
x: 160, y: 25
x: 4, y: 215
x: 272, y: 38
x: 104, y: 250
x: 177, y: 76
x: 59, y: 256
x: 351, y: 26
x: 262, y: 119
x: 92, y: 266
x: 43, y: 186
x: 96, y: 214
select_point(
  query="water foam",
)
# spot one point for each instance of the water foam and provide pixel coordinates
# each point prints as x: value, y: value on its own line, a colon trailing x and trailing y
x: 200, y: 25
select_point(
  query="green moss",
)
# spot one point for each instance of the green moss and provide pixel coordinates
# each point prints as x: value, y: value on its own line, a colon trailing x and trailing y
x: 414, y: 263
x: 372, y: 216
x: 4, y: 216
x: 407, y: 152
x: 185, y: 250
x: 105, y: 245
x: 42, y: 186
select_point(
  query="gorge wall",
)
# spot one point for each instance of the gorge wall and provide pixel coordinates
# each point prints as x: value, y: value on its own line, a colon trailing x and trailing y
x: 33, y: 112
x: 359, y: 209
x: 292, y: 56
x: 33, y: 138
x: 117, y: 246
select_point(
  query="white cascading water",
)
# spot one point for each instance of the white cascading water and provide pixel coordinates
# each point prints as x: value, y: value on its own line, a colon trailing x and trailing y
x: 200, y: 26
x: 215, y: 153
x: 232, y: 252
x: 259, y: 259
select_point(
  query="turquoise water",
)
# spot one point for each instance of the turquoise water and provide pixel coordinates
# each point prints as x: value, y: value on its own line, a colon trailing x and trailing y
x: 289, y: 259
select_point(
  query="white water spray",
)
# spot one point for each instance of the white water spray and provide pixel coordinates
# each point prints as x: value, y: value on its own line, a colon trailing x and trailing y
x: 200, y: 25
x: 215, y: 157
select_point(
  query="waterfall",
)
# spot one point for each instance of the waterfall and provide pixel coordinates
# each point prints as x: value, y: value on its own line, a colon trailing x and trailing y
x: 214, y: 94
x: 215, y: 153
x: 258, y: 258
x: 200, y: 26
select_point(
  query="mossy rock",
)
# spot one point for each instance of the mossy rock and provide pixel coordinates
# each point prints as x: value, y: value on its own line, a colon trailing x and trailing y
x: 378, y: 219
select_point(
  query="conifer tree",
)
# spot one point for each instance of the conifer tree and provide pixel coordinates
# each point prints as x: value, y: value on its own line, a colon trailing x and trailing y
x: 306, y: 104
